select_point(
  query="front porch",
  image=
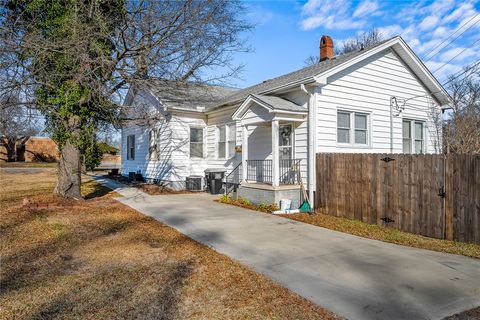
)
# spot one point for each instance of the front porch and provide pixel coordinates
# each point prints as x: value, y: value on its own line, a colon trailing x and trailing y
x: 269, y: 170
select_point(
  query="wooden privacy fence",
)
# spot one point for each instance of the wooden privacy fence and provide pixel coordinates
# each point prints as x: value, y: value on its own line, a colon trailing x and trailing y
x: 432, y: 195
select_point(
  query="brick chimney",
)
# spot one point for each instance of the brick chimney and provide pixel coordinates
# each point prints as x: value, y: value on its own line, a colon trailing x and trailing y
x: 326, y: 48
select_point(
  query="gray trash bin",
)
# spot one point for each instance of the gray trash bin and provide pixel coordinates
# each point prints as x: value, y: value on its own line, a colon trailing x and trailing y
x: 214, y: 179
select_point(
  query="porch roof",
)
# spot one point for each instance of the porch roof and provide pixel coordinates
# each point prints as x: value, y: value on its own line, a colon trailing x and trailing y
x: 272, y: 104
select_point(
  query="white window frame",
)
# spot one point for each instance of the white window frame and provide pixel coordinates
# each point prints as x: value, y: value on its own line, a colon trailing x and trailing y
x: 131, y: 147
x: 352, y: 129
x: 228, y: 139
x: 153, y: 142
x: 190, y: 142
x: 413, y: 138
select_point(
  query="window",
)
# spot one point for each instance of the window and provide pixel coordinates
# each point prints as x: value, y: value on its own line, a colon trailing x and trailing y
x: 285, y: 143
x: 413, y: 136
x: 153, y: 137
x: 343, y: 127
x: 226, y: 141
x: 407, y: 136
x: 196, y: 142
x: 232, y: 139
x: 356, y: 134
x: 131, y: 147
x: 222, y: 138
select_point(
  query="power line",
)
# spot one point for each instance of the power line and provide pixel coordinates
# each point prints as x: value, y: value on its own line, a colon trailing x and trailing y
x: 456, y: 56
x: 470, y: 68
x: 434, y: 49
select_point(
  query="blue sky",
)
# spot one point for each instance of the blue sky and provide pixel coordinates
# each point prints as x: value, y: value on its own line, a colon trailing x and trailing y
x: 288, y: 31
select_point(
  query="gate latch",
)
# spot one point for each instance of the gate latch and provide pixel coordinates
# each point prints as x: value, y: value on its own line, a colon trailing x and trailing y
x: 441, y: 192
x: 387, y: 159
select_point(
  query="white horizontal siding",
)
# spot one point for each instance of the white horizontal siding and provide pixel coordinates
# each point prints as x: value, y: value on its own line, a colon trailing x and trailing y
x: 368, y: 88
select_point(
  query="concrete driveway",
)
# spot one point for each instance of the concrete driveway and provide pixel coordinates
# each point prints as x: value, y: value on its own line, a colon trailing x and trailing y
x: 354, y: 277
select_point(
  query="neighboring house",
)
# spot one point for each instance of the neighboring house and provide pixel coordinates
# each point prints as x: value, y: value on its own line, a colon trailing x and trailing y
x: 265, y: 132
x: 30, y: 149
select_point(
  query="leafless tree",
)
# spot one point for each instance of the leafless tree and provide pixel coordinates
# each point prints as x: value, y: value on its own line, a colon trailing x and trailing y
x: 16, y: 121
x: 113, y: 45
x: 361, y: 41
x: 462, y: 128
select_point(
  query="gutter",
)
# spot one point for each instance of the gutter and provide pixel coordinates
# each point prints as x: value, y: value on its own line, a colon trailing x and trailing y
x: 312, y: 115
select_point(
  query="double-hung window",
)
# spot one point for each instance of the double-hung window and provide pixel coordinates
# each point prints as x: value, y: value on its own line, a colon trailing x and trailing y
x: 226, y: 141
x: 352, y: 128
x: 196, y: 142
x: 413, y: 136
x: 131, y: 147
x: 153, y: 150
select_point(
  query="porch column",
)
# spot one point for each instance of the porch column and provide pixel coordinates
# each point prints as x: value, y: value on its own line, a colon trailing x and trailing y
x: 244, y: 152
x: 275, y: 154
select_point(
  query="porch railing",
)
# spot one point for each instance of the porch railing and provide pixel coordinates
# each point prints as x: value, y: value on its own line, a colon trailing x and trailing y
x: 289, y: 171
x: 260, y: 171
x: 233, y: 179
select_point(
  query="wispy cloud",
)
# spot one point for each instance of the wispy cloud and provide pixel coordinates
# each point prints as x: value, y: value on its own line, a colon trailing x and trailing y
x: 366, y: 8
x: 423, y: 24
x: 336, y: 15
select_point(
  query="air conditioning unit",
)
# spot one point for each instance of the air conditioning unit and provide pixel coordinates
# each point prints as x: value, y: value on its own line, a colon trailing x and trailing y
x: 195, y: 183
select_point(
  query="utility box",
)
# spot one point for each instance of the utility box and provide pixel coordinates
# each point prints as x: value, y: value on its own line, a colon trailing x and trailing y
x: 214, y: 179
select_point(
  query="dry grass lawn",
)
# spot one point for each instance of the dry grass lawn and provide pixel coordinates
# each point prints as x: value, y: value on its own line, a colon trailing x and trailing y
x: 4, y: 164
x: 99, y: 259
x: 366, y: 230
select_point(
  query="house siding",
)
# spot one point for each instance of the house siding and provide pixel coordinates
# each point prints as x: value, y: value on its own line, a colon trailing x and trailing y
x: 368, y: 88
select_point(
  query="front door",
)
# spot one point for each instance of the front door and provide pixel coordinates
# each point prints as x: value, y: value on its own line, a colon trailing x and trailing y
x: 285, y: 144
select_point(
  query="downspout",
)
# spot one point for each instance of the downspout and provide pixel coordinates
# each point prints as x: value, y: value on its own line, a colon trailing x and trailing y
x: 311, y: 144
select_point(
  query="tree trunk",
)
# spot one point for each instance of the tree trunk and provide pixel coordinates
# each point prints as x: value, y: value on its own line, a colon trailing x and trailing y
x: 69, y: 172
x: 9, y: 144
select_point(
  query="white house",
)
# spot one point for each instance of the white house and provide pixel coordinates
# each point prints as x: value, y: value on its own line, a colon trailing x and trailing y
x: 376, y: 100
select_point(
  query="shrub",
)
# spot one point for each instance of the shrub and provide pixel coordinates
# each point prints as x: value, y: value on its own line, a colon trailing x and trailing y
x: 245, y: 203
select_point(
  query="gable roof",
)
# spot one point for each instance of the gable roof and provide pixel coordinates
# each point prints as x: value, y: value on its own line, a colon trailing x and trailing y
x: 187, y: 96
x: 273, y: 104
x: 338, y: 63
x: 279, y: 103
x: 200, y: 97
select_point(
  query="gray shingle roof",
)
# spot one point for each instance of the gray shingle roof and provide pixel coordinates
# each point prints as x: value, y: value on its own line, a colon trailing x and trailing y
x: 190, y: 96
x: 294, y: 76
x: 279, y: 103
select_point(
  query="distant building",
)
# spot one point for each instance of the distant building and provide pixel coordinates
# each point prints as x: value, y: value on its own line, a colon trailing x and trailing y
x: 30, y: 149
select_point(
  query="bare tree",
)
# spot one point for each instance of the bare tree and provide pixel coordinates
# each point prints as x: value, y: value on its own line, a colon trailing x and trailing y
x: 361, y: 41
x: 462, y: 129
x: 16, y: 121
x: 76, y: 59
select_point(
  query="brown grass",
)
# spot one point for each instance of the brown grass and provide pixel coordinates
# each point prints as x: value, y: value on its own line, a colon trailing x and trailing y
x: 370, y: 231
x: 103, y: 260
x: 4, y: 164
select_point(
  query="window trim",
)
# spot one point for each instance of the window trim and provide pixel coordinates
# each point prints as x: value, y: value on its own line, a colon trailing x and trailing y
x: 190, y: 142
x: 227, y: 140
x: 352, y: 129
x: 155, y: 134
x: 413, y: 139
x: 131, y: 147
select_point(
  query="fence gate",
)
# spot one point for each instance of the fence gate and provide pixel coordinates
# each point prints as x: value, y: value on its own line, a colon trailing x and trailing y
x: 405, y: 192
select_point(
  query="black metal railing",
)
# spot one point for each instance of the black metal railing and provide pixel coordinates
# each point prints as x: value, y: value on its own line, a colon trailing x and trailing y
x: 233, y: 179
x: 289, y: 171
x: 260, y: 171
